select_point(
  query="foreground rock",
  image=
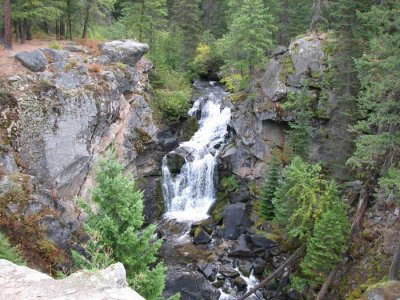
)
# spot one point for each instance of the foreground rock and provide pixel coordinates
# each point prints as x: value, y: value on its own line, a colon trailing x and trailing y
x: 191, y: 284
x: 19, y: 282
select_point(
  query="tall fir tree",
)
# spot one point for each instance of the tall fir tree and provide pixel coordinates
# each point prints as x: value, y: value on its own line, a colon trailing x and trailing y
x: 118, y: 226
x: 145, y: 18
x: 327, y: 244
x: 249, y: 37
x: 268, y: 192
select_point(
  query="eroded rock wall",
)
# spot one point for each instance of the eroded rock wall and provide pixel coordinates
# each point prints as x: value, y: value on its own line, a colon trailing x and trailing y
x: 59, y: 119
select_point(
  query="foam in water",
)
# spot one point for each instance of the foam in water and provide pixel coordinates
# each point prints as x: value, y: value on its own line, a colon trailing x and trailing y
x: 190, y: 194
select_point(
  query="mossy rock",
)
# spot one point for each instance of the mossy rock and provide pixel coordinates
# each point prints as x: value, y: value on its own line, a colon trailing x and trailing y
x: 218, y: 207
x: 189, y: 128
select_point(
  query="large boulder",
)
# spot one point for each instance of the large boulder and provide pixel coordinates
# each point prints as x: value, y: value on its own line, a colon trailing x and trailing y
x: 35, y: 60
x: 382, y: 291
x: 191, y: 284
x: 236, y: 220
x: 125, y: 51
x: 20, y: 282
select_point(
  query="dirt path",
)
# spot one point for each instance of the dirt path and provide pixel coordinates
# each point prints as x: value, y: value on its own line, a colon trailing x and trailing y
x: 9, y: 66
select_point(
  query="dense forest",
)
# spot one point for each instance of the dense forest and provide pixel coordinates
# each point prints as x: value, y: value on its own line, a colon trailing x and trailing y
x: 232, y: 42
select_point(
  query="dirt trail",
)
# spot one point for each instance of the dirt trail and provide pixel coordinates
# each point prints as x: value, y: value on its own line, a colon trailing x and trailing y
x: 9, y: 66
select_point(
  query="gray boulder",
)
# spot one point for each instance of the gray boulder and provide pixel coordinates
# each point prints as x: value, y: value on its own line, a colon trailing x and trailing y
x: 191, y: 284
x: 126, y: 51
x: 242, y: 248
x: 35, y: 60
x: 236, y: 220
x: 20, y: 282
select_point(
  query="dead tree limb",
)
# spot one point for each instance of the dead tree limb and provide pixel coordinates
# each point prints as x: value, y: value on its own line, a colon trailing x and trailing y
x: 299, y: 252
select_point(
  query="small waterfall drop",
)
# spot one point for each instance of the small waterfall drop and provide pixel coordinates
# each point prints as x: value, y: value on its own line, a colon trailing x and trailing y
x: 189, y: 194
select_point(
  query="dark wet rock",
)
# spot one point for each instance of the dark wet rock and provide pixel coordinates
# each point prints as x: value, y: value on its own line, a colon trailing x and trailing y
x: 126, y: 51
x: 262, y: 242
x: 279, y: 50
x: 240, y: 283
x: 191, y: 284
x: 259, y: 266
x: 235, y: 220
x: 218, y: 284
x: 35, y: 60
x: 175, y: 162
x: 228, y: 271
x: 167, y: 140
x: 292, y: 294
x: 208, y: 270
x: 201, y: 236
x: 239, y: 197
x: 241, y: 248
x: 245, y: 267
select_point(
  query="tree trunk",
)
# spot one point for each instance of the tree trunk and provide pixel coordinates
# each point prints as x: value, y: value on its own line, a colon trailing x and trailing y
x: 317, y: 14
x: 293, y: 258
x: 57, y: 31
x: 62, y: 29
x: 394, y: 268
x: 46, y: 27
x: 27, y: 28
x: 21, y: 33
x: 141, y: 21
x: 7, y: 23
x: 86, y: 21
x: 69, y: 19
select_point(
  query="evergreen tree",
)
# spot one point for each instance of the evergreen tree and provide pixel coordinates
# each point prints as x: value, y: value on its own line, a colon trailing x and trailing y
x: 378, y: 144
x: 144, y: 19
x: 92, y: 8
x: 269, y: 189
x: 185, y: 22
x: 250, y: 35
x: 118, y: 226
x: 327, y: 244
x: 302, y: 198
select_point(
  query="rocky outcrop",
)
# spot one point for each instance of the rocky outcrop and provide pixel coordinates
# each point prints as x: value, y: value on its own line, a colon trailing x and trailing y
x: 58, y: 121
x: 260, y: 121
x: 382, y: 291
x: 20, y: 282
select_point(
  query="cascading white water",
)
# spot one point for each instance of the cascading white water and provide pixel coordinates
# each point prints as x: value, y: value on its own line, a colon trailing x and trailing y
x: 189, y: 194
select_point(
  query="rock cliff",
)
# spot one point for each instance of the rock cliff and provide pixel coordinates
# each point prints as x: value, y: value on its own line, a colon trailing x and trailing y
x: 20, y: 282
x: 58, y: 119
x: 260, y: 117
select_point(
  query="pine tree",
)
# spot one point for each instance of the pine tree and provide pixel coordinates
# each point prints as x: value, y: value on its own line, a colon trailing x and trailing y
x: 118, y: 226
x: 269, y: 189
x: 185, y: 22
x: 378, y: 144
x: 250, y: 35
x: 302, y: 198
x: 327, y: 244
x: 94, y: 7
x: 144, y: 18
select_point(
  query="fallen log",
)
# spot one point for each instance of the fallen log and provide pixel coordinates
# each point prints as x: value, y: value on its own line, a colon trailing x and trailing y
x: 299, y: 252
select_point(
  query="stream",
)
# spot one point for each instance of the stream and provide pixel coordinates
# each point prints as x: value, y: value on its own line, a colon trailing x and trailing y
x: 188, y: 195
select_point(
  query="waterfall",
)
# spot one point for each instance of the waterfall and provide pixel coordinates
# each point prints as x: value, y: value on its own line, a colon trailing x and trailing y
x: 189, y: 194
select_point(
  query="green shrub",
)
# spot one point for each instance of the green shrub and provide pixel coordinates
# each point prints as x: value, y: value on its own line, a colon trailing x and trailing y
x: 229, y: 183
x: 118, y: 233
x: 8, y: 252
x: 55, y: 45
x: 173, y: 105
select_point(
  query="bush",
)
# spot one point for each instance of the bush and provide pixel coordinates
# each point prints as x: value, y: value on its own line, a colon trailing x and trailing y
x: 171, y: 94
x: 8, y: 252
x: 55, y: 45
x: 117, y: 230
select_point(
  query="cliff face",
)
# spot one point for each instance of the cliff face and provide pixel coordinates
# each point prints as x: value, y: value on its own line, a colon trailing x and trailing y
x: 58, y: 120
x: 260, y: 118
